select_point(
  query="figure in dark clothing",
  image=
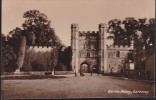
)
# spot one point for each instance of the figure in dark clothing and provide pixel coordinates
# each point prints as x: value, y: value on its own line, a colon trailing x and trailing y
x: 98, y: 72
x: 81, y: 72
x: 75, y: 74
x: 91, y: 71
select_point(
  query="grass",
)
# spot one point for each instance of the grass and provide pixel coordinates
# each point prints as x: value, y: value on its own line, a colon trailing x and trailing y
x: 13, y: 77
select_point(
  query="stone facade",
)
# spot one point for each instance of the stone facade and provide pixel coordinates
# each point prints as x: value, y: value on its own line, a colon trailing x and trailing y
x: 116, y: 56
x: 92, y: 50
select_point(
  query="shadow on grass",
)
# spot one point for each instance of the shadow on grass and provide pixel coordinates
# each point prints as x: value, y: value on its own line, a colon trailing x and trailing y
x: 30, y: 77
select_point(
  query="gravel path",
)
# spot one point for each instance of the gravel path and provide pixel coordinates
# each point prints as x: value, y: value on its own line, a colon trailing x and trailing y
x: 76, y: 87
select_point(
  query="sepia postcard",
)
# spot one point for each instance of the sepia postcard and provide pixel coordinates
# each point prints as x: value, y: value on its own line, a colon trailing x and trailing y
x: 76, y: 49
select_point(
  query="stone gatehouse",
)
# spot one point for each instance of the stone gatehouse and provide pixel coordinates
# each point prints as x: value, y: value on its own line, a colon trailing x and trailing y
x: 92, y: 50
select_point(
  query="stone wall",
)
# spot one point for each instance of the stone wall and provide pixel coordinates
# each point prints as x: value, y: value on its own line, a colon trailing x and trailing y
x: 95, y: 49
x: 116, y: 57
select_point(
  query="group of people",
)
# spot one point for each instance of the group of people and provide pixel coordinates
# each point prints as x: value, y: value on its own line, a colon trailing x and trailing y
x: 82, y: 71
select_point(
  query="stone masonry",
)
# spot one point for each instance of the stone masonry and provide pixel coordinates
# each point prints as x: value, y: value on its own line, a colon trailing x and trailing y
x: 92, y: 50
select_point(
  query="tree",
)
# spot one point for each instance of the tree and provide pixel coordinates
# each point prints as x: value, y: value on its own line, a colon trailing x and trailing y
x: 145, y: 44
x: 151, y: 37
x: 130, y: 25
x: 14, y: 38
x: 125, y: 31
x: 151, y: 30
x: 141, y: 31
x: 64, y: 58
x: 3, y: 39
x: 9, y: 50
x: 8, y: 59
x: 115, y: 28
x: 17, y: 41
x: 38, y: 24
x: 36, y: 31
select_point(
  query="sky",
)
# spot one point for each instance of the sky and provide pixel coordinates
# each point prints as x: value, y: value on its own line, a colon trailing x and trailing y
x: 62, y: 13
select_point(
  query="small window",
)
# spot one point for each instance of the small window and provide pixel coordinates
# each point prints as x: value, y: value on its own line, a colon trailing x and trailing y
x: 118, y: 54
x: 89, y: 46
x: 88, y: 54
x: 108, y: 54
x: 84, y: 46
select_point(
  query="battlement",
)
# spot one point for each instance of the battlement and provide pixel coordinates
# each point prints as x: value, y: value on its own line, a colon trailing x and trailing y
x: 40, y: 48
x: 120, y: 47
x: 88, y: 32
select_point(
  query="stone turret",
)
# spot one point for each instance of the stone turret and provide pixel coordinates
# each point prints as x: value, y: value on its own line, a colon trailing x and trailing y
x: 96, y: 50
x: 74, y: 35
x: 102, y: 45
x: 74, y: 44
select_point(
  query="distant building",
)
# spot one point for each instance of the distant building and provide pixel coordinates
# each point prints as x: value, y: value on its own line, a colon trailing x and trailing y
x: 92, y: 50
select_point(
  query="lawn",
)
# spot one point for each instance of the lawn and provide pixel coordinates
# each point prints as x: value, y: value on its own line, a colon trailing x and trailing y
x: 30, y: 77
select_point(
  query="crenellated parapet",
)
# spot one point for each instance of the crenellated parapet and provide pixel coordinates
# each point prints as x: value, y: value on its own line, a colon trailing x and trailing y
x: 88, y: 33
x: 40, y: 48
x: 116, y: 47
x: 96, y: 49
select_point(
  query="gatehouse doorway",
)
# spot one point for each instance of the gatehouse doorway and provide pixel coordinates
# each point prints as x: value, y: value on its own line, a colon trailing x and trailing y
x: 84, y: 67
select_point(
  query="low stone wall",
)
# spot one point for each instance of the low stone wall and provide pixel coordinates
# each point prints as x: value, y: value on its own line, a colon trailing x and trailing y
x: 55, y: 73
x: 39, y: 73
x: 63, y: 72
x: 13, y: 73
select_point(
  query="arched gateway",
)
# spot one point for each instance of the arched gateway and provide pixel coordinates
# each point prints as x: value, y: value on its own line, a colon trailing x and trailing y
x: 85, y: 67
x: 93, y: 51
x: 87, y: 48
